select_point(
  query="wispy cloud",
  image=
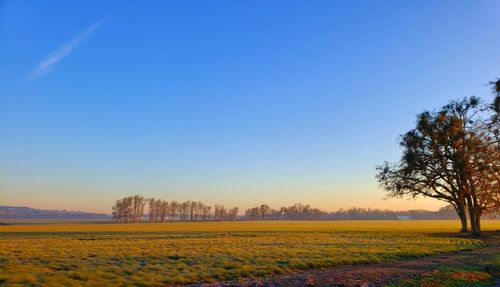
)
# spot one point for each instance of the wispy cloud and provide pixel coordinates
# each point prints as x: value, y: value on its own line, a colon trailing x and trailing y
x: 55, y: 57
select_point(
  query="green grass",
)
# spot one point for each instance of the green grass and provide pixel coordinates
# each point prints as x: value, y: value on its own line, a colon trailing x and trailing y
x: 162, y: 254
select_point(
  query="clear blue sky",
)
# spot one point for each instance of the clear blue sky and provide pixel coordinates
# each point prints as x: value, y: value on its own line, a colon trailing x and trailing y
x: 232, y: 102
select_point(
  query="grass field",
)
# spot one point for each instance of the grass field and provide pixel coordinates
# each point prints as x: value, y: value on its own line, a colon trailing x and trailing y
x: 69, y: 254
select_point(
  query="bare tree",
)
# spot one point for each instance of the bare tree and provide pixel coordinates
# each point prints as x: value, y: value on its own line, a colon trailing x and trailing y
x: 253, y: 213
x: 138, y: 208
x: 193, y: 205
x: 206, y: 212
x: 155, y: 206
x: 233, y: 214
x: 220, y: 213
x: 128, y: 209
x: 184, y: 211
x: 174, y: 207
x: 165, y: 210
x: 264, y: 211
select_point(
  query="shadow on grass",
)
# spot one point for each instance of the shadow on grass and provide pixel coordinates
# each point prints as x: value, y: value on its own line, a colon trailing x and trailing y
x: 480, y: 267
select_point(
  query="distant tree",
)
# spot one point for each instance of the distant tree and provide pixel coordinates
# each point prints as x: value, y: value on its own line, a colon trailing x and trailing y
x: 193, y: 207
x: 264, y: 211
x: 233, y: 213
x: 165, y: 210
x: 138, y: 203
x: 174, y: 206
x: 253, y: 213
x: 199, y: 211
x: 117, y: 212
x: 155, y: 209
x: 128, y: 209
x: 184, y: 211
x: 206, y: 212
x: 220, y: 213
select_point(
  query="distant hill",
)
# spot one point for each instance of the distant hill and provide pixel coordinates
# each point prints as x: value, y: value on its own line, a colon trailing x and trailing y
x: 21, y: 212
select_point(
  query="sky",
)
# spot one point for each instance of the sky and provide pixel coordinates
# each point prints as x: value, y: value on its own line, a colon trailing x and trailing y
x: 227, y: 102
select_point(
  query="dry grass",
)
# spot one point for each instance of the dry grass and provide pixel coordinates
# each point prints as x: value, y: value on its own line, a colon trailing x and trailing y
x: 340, y: 225
x: 177, y: 253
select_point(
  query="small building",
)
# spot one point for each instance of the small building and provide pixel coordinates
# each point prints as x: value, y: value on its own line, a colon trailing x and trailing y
x: 404, y: 217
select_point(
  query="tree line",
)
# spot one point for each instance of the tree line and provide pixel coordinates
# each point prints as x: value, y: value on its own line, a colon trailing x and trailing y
x: 453, y: 155
x: 22, y: 212
x: 297, y: 211
x: 300, y: 211
x: 132, y: 209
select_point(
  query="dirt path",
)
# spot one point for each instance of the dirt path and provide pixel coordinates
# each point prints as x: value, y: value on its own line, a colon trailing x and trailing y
x: 380, y: 274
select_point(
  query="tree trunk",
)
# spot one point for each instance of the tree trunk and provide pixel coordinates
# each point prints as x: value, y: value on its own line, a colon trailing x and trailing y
x: 475, y: 219
x: 478, y: 223
x: 463, y: 219
x: 460, y: 209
